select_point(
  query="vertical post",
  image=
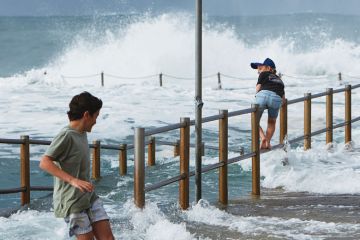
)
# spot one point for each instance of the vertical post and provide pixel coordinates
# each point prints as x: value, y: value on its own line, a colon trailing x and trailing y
x: 96, y: 160
x: 347, y: 114
x: 184, y: 163
x: 151, y: 152
x: 223, y: 157
x: 25, y: 169
x: 102, y: 79
x: 160, y: 79
x: 255, y: 149
x: 219, y: 80
x: 198, y: 99
x: 283, y: 121
x: 329, y: 115
x: 307, y: 121
x: 177, y: 148
x: 123, y: 160
x: 139, y: 168
x: 340, y: 78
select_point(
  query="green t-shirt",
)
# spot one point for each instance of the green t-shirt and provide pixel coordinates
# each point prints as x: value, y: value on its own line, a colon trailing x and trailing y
x: 70, y: 151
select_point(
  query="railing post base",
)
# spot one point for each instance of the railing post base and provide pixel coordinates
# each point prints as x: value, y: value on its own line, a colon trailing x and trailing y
x: 25, y: 169
x: 347, y: 114
x: 123, y: 159
x: 184, y: 164
x: 223, y: 157
x: 255, y: 149
x: 96, y: 160
x: 139, y: 168
x: 307, y: 121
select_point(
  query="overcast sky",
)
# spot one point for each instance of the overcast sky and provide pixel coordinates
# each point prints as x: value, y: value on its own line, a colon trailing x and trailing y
x: 211, y: 7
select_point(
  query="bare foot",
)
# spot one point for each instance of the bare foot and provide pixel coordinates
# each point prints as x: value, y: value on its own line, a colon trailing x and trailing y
x: 263, y: 144
x: 268, y: 145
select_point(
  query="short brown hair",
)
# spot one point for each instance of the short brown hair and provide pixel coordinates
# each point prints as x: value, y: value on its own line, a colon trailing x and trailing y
x: 81, y: 103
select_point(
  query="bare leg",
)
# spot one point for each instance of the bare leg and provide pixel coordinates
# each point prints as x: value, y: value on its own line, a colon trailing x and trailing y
x: 86, y: 236
x: 102, y: 230
x: 263, y: 138
x: 270, y: 131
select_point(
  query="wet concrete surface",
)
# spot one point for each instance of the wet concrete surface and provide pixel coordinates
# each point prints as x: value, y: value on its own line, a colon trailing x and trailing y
x: 305, y: 206
x: 341, y: 210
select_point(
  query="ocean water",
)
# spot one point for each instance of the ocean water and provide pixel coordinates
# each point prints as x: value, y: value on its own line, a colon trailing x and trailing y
x: 46, y: 60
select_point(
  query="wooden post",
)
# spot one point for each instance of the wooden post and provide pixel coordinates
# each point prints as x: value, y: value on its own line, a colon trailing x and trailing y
x: 177, y: 148
x: 202, y: 149
x: 223, y: 157
x: 219, y: 80
x: 139, y: 168
x: 160, y: 79
x: 184, y: 164
x: 102, y: 79
x: 347, y: 114
x: 329, y: 115
x: 307, y: 121
x: 96, y: 160
x: 151, y: 152
x: 25, y: 169
x: 255, y: 149
x: 283, y: 121
x: 123, y: 160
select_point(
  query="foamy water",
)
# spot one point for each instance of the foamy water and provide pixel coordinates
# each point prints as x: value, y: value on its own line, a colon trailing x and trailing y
x: 35, y: 104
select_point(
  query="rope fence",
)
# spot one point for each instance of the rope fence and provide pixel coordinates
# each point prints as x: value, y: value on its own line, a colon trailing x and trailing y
x: 217, y: 75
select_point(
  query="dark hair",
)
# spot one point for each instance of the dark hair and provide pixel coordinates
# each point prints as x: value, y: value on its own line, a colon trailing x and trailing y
x: 81, y: 103
x: 273, y: 70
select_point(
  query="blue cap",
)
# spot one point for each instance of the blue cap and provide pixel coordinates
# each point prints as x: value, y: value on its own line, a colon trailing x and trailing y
x: 267, y: 62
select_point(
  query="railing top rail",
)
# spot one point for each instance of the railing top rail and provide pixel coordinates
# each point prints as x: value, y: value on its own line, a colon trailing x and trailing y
x: 339, y: 90
x: 39, y: 142
x: 12, y: 190
x: 241, y: 112
x: 164, y: 129
x: 355, y: 86
x: 11, y: 141
x: 319, y: 95
x: 296, y: 100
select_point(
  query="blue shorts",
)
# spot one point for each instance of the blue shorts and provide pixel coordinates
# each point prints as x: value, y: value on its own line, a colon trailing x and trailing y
x: 270, y: 100
x: 80, y: 223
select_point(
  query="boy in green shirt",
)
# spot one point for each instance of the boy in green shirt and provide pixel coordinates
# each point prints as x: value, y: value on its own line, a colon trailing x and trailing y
x: 68, y: 160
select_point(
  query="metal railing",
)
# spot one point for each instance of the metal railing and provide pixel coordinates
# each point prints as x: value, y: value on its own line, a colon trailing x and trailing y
x: 184, y: 174
x: 181, y: 148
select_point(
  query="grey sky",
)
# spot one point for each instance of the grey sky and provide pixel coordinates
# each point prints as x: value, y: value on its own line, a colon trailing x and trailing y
x: 211, y: 7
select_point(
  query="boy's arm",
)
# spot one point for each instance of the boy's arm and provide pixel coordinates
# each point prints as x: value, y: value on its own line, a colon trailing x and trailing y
x: 47, y: 164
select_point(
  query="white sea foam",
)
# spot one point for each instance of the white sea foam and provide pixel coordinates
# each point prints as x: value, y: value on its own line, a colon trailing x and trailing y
x: 150, y: 223
x: 129, y: 103
x: 35, y: 104
x: 317, y: 170
x: 33, y: 225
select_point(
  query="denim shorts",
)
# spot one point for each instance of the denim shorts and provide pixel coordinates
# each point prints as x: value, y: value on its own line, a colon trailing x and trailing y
x: 270, y: 100
x: 80, y: 223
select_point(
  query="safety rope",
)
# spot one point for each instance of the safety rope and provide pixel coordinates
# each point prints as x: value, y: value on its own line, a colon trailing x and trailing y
x: 207, y: 76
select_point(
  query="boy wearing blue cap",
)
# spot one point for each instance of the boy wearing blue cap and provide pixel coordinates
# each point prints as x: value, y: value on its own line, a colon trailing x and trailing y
x: 269, y: 94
